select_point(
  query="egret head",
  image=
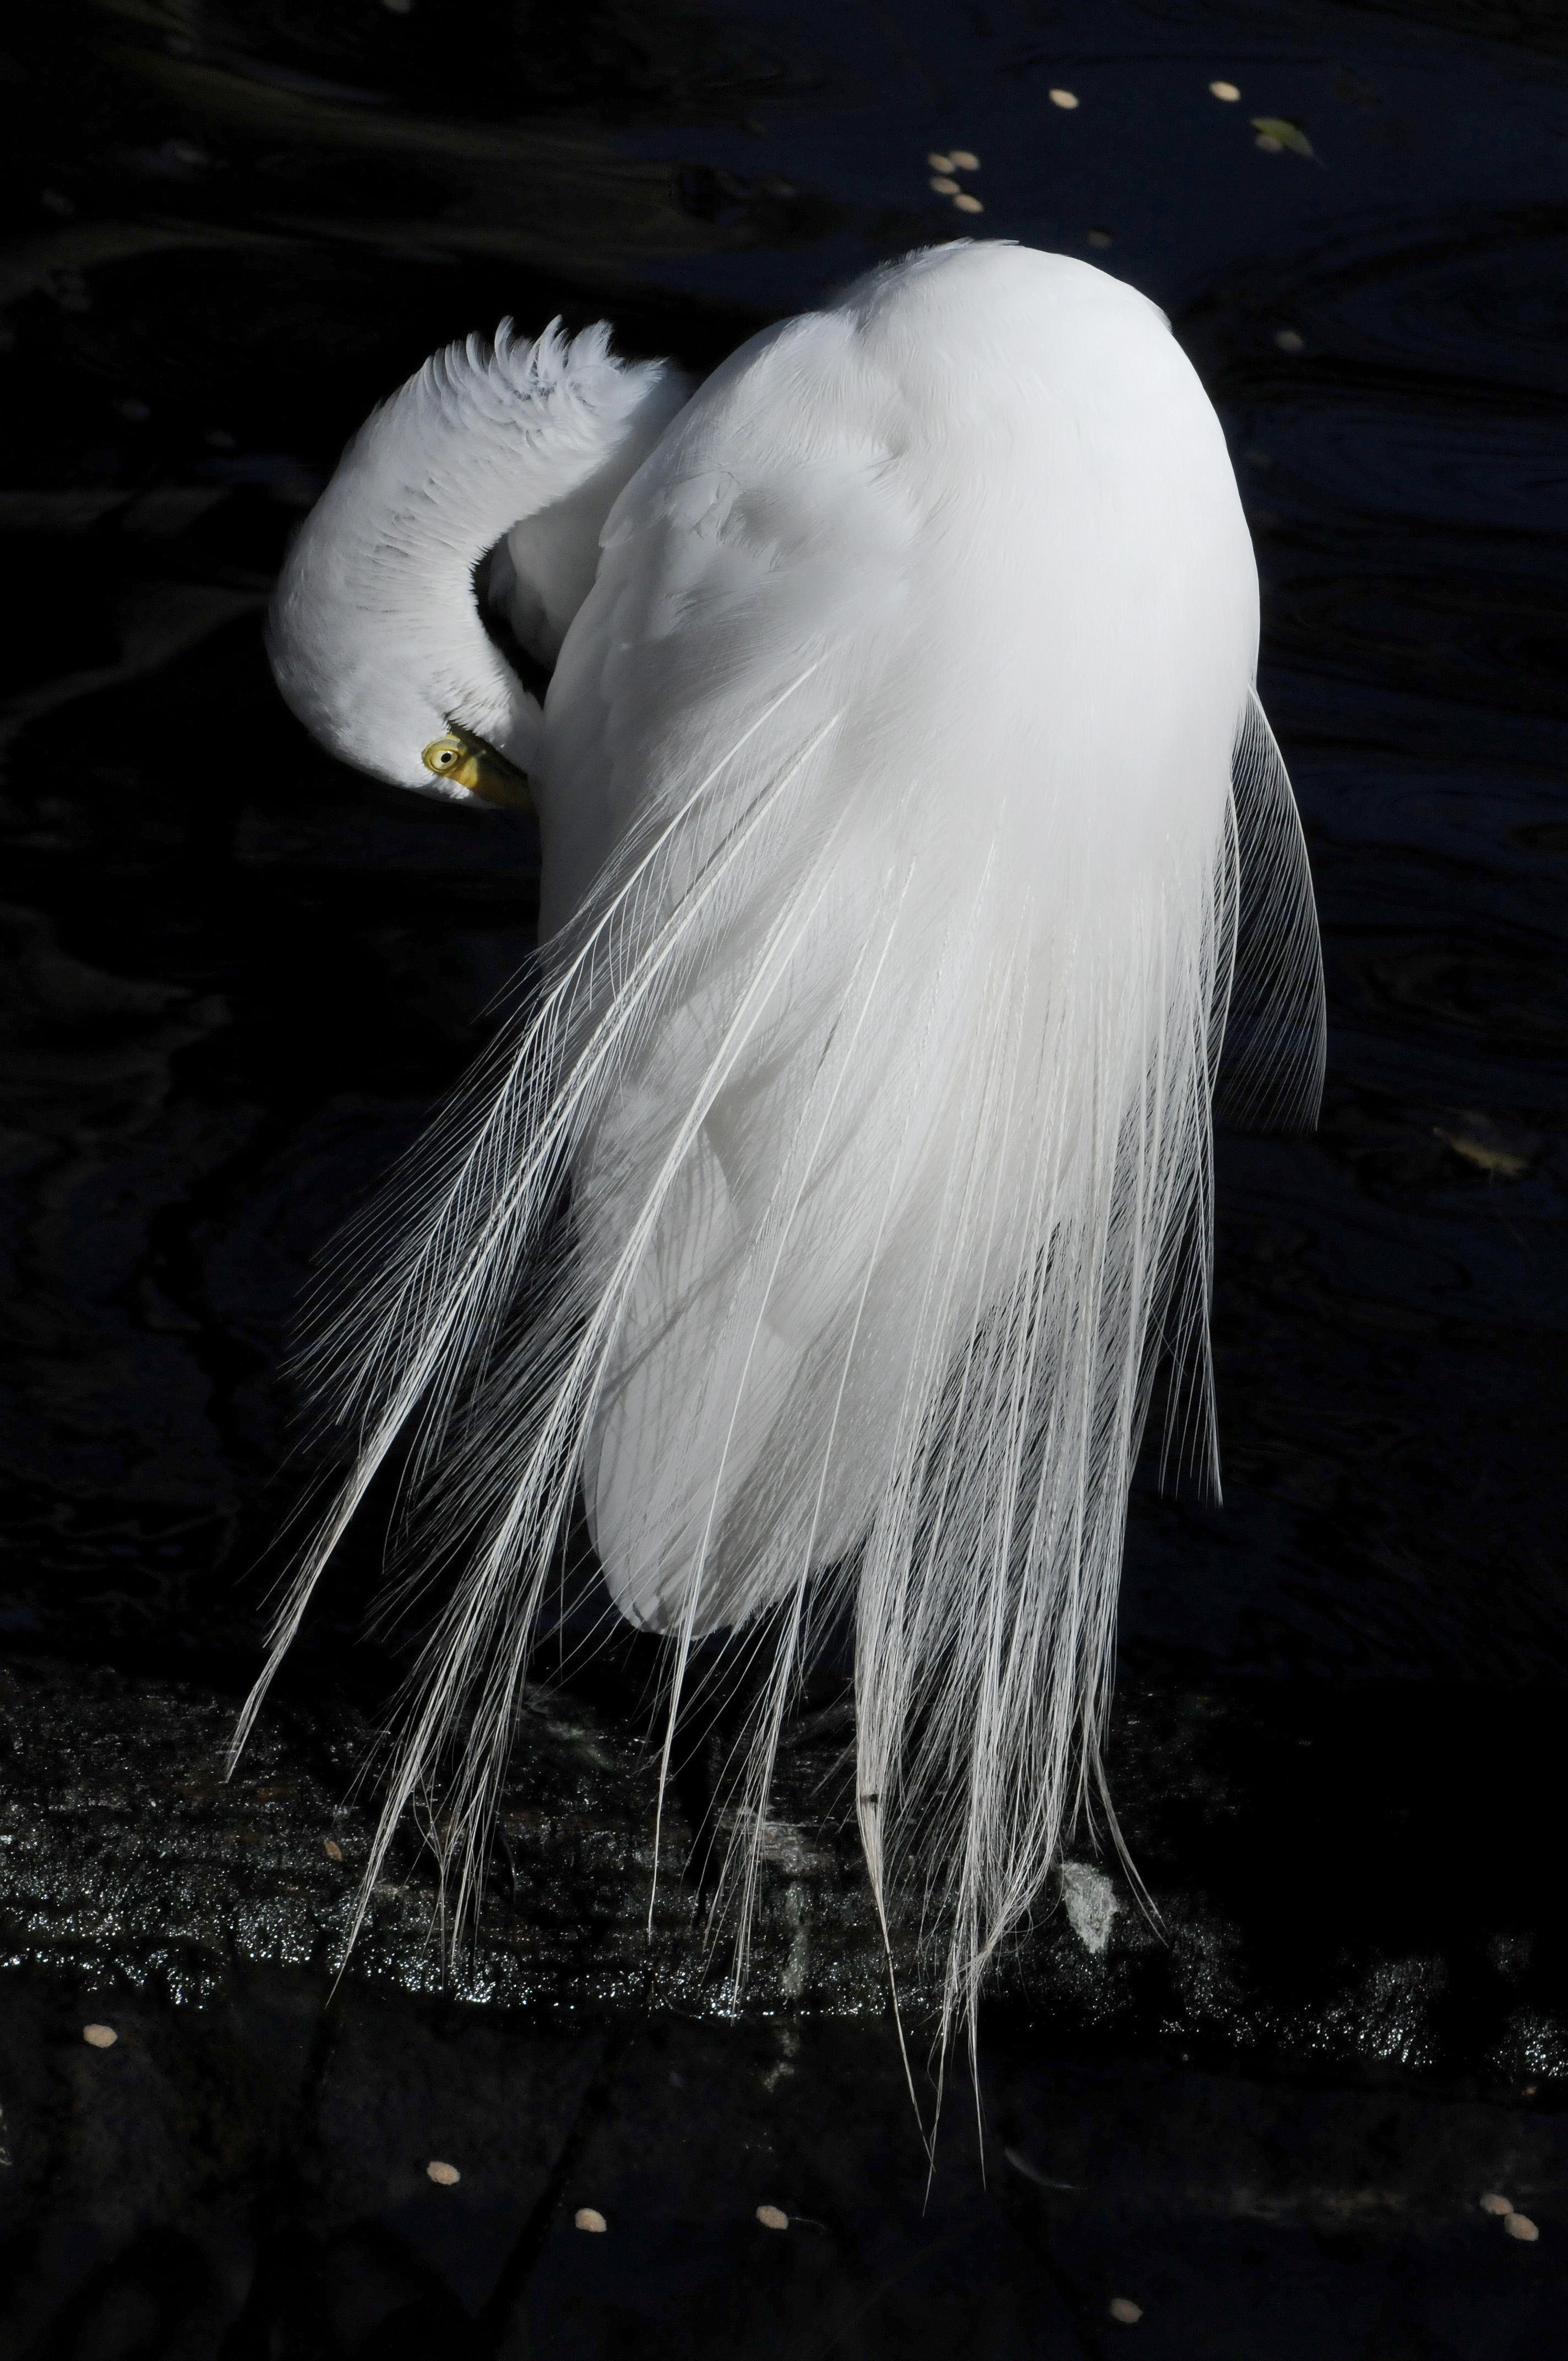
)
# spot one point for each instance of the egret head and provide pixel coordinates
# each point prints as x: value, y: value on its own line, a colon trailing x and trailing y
x: 510, y: 452
x: 376, y: 637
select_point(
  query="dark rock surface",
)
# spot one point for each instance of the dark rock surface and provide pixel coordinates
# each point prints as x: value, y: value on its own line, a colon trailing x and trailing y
x: 1292, y: 1931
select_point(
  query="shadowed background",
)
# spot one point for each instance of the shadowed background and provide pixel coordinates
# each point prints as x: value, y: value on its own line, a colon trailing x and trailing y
x: 236, y: 981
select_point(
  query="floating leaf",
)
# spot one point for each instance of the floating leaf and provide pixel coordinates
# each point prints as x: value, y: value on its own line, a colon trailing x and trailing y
x: 1289, y: 135
x: 1500, y: 1155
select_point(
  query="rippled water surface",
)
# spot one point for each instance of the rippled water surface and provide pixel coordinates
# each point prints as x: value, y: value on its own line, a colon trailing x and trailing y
x: 238, y: 978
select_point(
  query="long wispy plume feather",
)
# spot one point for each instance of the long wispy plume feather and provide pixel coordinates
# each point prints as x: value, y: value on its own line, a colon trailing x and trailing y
x: 917, y: 835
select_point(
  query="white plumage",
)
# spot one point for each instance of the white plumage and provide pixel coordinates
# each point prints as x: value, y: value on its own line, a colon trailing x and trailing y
x: 902, y: 789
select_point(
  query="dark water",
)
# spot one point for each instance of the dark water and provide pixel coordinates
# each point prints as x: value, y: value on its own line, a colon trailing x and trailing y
x: 237, y: 979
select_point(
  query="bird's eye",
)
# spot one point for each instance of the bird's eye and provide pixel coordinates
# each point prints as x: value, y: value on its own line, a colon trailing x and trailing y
x: 444, y: 755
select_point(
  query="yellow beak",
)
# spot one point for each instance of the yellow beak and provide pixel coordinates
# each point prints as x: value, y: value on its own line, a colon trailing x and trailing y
x: 469, y: 762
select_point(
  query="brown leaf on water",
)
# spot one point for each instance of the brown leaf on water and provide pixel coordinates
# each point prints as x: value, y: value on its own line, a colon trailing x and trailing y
x: 1500, y: 1155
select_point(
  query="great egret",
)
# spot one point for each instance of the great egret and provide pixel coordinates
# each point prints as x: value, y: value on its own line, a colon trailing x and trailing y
x: 903, y: 796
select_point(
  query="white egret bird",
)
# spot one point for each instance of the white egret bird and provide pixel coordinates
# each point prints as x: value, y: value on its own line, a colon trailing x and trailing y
x: 904, y: 797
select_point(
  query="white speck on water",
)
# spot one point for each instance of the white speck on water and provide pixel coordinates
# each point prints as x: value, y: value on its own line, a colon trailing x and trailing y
x: 589, y: 2217
x: 964, y: 204
x: 99, y: 2036
x: 944, y: 184
x: 940, y: 163
x: 965, y: 160
x: 1225, y: 89
x: 1123, y: 2308
x: 772, y: 2217
x: 1090, y: 1900
x: 1068, y: 98
x: 445, y: 2176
